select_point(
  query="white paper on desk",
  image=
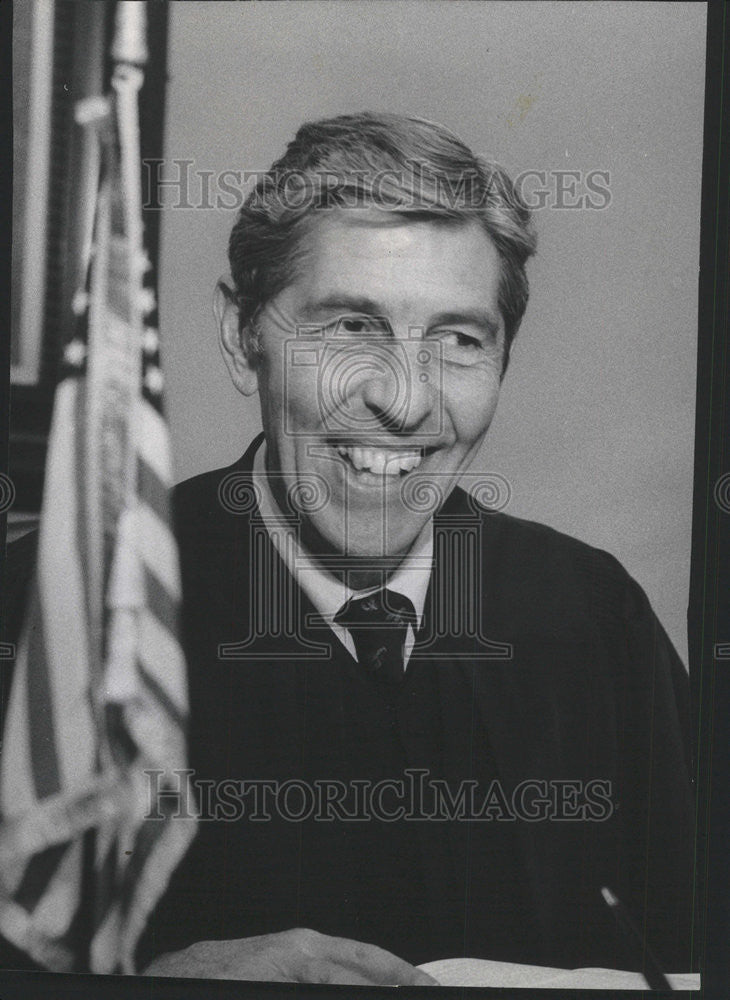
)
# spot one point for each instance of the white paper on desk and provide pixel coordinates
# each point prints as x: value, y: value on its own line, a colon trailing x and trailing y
x: 480, y: 972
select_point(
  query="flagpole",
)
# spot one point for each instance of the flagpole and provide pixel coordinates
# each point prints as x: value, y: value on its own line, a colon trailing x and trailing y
x: 130, y: 38
x: 129, y: 53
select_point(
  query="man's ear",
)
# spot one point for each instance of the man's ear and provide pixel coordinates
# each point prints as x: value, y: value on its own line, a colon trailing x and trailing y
x: 233, y: 340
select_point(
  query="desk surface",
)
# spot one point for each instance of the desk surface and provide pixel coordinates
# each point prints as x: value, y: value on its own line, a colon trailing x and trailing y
x: 479, y: 972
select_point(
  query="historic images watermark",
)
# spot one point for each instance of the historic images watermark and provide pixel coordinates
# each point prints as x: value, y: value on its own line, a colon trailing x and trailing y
x: 721, y: 493
x: 413, y: 796
x: 179, y: 183
x: 7, y: 492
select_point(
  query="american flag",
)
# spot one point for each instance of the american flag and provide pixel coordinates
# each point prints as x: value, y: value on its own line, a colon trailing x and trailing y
x: 99, y: 694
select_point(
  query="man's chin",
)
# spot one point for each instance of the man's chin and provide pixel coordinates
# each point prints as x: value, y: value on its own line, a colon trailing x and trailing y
x: 360, y: 549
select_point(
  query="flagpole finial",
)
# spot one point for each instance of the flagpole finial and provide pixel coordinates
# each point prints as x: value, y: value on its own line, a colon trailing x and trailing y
x: 130, y: 34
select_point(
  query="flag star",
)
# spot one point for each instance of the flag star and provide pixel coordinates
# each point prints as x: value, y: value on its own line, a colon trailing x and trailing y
x: 153, y: 380
x: 80, y: 303
x: 74, y: 353
x: 143, y: 262
x: 92, y: 110
x: 150, y: 340
x: 146, y: 300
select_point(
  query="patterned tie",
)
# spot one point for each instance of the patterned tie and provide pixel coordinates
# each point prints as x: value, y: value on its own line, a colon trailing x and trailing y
x: 378, y: 624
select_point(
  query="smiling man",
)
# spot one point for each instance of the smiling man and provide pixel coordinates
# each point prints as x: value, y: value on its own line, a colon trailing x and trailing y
x: 420, y: 728
x: 403, y: 319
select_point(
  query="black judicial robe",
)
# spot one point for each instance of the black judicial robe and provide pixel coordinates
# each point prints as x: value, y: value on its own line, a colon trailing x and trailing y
x: 568, y: 681
x: 570, y: 676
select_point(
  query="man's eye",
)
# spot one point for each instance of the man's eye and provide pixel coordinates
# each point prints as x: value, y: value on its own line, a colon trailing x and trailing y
x: 360, y: 325
x: 354, y: 324
x: 458, y: 348
x: 455, y: 338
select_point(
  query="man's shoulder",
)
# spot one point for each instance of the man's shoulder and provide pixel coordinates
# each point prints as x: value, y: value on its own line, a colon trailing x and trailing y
x: 213, y: 501
x: 549, y: 572
x: 533, y: 538
x: 201, y: 494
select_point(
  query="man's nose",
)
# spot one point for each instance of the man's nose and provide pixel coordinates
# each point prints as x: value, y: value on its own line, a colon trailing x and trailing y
x: 403, y: 393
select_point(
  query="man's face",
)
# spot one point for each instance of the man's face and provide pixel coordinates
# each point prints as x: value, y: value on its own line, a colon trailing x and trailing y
x: 379, y: 375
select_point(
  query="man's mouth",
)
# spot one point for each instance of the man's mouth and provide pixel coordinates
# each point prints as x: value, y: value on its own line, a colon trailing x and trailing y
x: 381, y: 461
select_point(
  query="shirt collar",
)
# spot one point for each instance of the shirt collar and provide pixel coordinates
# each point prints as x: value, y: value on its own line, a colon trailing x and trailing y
x: 327, y: 592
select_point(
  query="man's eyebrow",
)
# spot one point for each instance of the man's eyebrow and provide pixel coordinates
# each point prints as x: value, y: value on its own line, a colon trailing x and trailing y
x: 344, y: 303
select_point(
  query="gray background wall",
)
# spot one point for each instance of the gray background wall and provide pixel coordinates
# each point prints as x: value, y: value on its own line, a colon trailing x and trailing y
x: 595, y: 426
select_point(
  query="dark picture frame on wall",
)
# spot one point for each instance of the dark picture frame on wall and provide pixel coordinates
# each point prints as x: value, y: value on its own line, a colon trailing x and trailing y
x: 32, y: 114
x: 43, y: 60
x: 60, y: 54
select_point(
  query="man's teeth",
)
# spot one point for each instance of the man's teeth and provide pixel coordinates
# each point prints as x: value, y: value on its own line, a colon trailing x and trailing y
x: 381, y: 461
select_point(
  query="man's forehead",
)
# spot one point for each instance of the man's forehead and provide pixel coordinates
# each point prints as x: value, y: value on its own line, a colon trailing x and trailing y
x: 399, y: 228
x: 366, y: 261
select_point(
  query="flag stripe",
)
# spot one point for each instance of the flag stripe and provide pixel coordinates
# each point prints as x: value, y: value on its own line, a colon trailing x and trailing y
x: 153, y: 490
x: 41, y: 729
x: 106, y: 875
x: 76, y: 937
x: 17, y: 785
x: 162, y: 657
x: 80, y: 471
x: 162, y: 697
x: 158, y: 547
x: 62, y: 602
x: 154, y: 441
x: 160, y: 602
x: 18, y: 926
x: 54, y: 912
x: 105, y: 944
x: 148, y: 835
x: 41, y: 868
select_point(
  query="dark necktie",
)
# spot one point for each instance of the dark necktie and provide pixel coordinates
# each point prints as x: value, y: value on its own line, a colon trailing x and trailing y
x: 378, y: 624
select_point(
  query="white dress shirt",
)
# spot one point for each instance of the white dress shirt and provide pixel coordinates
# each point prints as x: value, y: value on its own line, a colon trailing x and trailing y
x: 327, y: 592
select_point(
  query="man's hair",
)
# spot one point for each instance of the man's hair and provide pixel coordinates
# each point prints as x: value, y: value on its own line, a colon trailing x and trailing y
x: 410, y: 166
